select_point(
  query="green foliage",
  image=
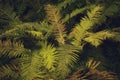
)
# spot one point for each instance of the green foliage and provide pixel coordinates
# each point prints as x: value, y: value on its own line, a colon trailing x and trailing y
x: 39, y: 64
x: 97, y: 38
x: 65, y: 3
x: 76, y: 12
x: 7, y: 15
x: 40, y: 41
x: 25, y: 28
x: 49, y: 60
x: 116, y: 31
x: 7, y: 71
x: 12, y: 49
x: 87, y: 23
x: 49, y: 55
x: 67, y: 58
x: 113, y: 9
x: 30, y: 67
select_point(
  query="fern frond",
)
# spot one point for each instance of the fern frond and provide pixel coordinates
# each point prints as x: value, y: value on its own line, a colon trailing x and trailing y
x: 54, y: 18
x: 80, y: 31
x: 117, y: 36
x: 91, y: 73
x: 76, y: 12
x: 78, y: 34
x: 112, y: 9
x: 49, y: 55
x: 82, y: 74
x: 91, y: 64
x: 93, y: 17
x: 34, y: 34
x: 97, y: 38
x: 30, y: 66
x: 15, y: 31
x: 65, y: 3
x: 66, y: 58
x: 12, y: 49
x: 116, y: 32
x: 39, y: 64
x: 53, y: 14
x: 8, y: 15
x: 7, y: 71
x: 44, y: 27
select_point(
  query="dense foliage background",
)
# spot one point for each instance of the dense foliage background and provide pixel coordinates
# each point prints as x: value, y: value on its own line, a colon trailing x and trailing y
x: 59, y: 39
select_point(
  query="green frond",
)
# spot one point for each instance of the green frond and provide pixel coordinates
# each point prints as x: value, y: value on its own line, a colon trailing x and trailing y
x: 12, y: 49
x: 44, y: 27
x: 34, y: 34
x: 97, y: 38
x: 39, y: 64
x: 65, y: 3
x: 8, y: 15
x: 7, y: 71
x: 67, y: 56
x: 116, y: 32
x: 30, y: 66
x: 35, y: 43
x: 94, y: 16
x: 76, y: 12
x: 30, y: 29
x: 112, y: 9
x: 78, y: 34
x: 80, y: 31
x: 15, y: 31
x: 117, y: 36
x: 49, y: 55
x: 54, y: 18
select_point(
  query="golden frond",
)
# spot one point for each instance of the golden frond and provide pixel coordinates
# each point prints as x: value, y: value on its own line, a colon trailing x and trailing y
x: 54, y: 17
x: 97, y: 38
x: 91, y: 73
x: 91, y: 64
x: 12, y: 49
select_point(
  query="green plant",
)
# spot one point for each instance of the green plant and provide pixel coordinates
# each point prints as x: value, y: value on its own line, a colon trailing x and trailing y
x: 47, y: 50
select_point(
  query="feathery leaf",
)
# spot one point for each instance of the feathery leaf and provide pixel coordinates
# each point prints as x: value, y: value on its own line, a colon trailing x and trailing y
x: 97, y: 38
x: 66, y: 58
x: 12, y: 49
x: 54, y: 18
